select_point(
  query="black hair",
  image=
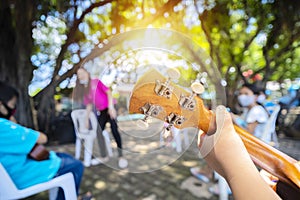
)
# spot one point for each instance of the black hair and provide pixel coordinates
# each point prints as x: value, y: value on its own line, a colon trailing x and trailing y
x: 7, y: 92
x: 80, y: 90
x: 256, y: 90
x: 253, y: 88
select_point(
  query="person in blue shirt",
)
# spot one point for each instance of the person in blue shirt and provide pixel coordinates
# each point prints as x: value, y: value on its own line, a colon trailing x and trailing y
x: 17, y: 141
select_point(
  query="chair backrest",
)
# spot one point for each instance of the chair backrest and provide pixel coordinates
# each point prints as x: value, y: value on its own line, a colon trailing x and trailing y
x: 270, y: 125
x: 6, y: 183
x: 79, y: 120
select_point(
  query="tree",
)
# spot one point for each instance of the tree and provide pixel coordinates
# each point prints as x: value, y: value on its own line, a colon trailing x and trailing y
x: 239, y: 35
x: 74, y: 14
x: 259, y: 35
x: 15, y: 50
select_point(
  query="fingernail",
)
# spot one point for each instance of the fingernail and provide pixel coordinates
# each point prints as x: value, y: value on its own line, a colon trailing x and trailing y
x: 221, y: 108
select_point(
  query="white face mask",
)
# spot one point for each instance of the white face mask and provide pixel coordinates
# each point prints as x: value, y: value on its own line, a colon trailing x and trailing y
x: 83, y: 82
x: 261, y: 98
x: 246, y: 100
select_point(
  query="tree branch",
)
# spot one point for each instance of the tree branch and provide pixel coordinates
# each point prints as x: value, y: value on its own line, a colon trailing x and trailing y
x: 71, y: 34
x: 97, y: 51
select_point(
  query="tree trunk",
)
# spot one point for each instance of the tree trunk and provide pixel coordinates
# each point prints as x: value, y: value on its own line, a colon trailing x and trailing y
x: 45, y: 108
x: 15, y: 51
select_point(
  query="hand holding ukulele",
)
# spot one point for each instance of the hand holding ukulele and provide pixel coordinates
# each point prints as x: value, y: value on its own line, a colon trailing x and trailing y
x: 229, y: 157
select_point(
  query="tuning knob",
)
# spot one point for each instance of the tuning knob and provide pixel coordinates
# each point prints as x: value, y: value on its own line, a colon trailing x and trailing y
x: 173, y: 73
x: 148, y: 110
x: 188, y: 102
x: 142, y: 123
x: 167, y: 136
x: 165, y: 89
x: 197, y: 88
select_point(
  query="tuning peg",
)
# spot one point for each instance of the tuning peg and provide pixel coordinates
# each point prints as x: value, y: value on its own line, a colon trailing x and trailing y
x: 197, y: 88
x: 188, y: 102
x: 174, y: 119
x: 148, y: 110
x: 167, y: 136
x: 173, y: 73
x: 142, y: 123
x: 165, y: 89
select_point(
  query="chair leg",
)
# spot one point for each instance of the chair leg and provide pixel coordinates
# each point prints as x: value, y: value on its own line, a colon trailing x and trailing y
x: 107, y: 143
x: 69, y: 190
x: 186, y: 138
x: 77, y: 148
x: 88, y: 150
x: 177, y: 139
x: 223, y: 188
x: 53, y: 193
x: 275, y: 139
x: 161, y: 139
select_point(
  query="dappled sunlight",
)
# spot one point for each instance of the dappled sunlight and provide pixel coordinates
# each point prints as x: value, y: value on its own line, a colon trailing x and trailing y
x: 191, y: 163
x: 100, y: 185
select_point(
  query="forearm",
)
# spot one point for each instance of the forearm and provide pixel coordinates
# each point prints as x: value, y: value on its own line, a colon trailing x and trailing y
x: 253, y: 184
x: 110, y: 99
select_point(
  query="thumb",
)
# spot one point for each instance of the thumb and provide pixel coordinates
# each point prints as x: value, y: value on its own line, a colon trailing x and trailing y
x: 223, y: 119
x: 206, y: 142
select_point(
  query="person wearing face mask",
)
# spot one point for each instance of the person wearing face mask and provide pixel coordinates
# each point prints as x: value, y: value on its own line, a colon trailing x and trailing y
x: 17, y: 141
x: 254, y: 116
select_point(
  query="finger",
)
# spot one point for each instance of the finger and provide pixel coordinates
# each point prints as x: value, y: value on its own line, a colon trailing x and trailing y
x: 201, y: 136
x: 223, y: 119
x: 208, y: 141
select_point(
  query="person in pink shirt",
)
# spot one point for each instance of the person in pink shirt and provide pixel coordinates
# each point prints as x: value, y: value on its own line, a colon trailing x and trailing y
x: 98, y: 97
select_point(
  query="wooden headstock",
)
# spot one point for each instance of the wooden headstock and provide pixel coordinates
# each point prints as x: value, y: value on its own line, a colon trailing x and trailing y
x: 156, y: 96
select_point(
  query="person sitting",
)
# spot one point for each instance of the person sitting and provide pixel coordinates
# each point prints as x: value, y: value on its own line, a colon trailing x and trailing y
x: 254, y: 116
x: 17, y: 141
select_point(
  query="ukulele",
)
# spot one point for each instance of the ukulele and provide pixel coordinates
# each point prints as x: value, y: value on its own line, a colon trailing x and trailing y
x: 156, y: 96
x: 39, y: 152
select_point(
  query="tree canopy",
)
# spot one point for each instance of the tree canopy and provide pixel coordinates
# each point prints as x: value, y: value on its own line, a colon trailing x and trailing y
x: 44, y: 43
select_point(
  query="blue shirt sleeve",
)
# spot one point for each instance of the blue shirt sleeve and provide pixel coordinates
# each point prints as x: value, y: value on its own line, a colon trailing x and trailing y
x: 15, y: 138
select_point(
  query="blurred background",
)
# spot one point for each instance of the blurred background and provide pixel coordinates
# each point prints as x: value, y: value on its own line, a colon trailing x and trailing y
x: 44, y: 42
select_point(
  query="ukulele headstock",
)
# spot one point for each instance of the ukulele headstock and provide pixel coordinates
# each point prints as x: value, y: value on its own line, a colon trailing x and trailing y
x: 157, y: 96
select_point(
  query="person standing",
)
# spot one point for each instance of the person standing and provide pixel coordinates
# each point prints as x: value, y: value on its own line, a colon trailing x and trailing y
x: 98, y: 97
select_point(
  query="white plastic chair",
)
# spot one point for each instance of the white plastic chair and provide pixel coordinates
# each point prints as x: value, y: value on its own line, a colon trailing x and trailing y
x: 269, y: 135
x: 8, y: 189
x: 107, y: 143
x: 223, y: 186
x: 87, y: 135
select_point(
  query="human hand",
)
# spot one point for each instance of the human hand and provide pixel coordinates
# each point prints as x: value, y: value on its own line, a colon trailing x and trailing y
x: 269, y: 178
x: 42, y: 139
x: 223, y: 150
x: 112, y: 113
